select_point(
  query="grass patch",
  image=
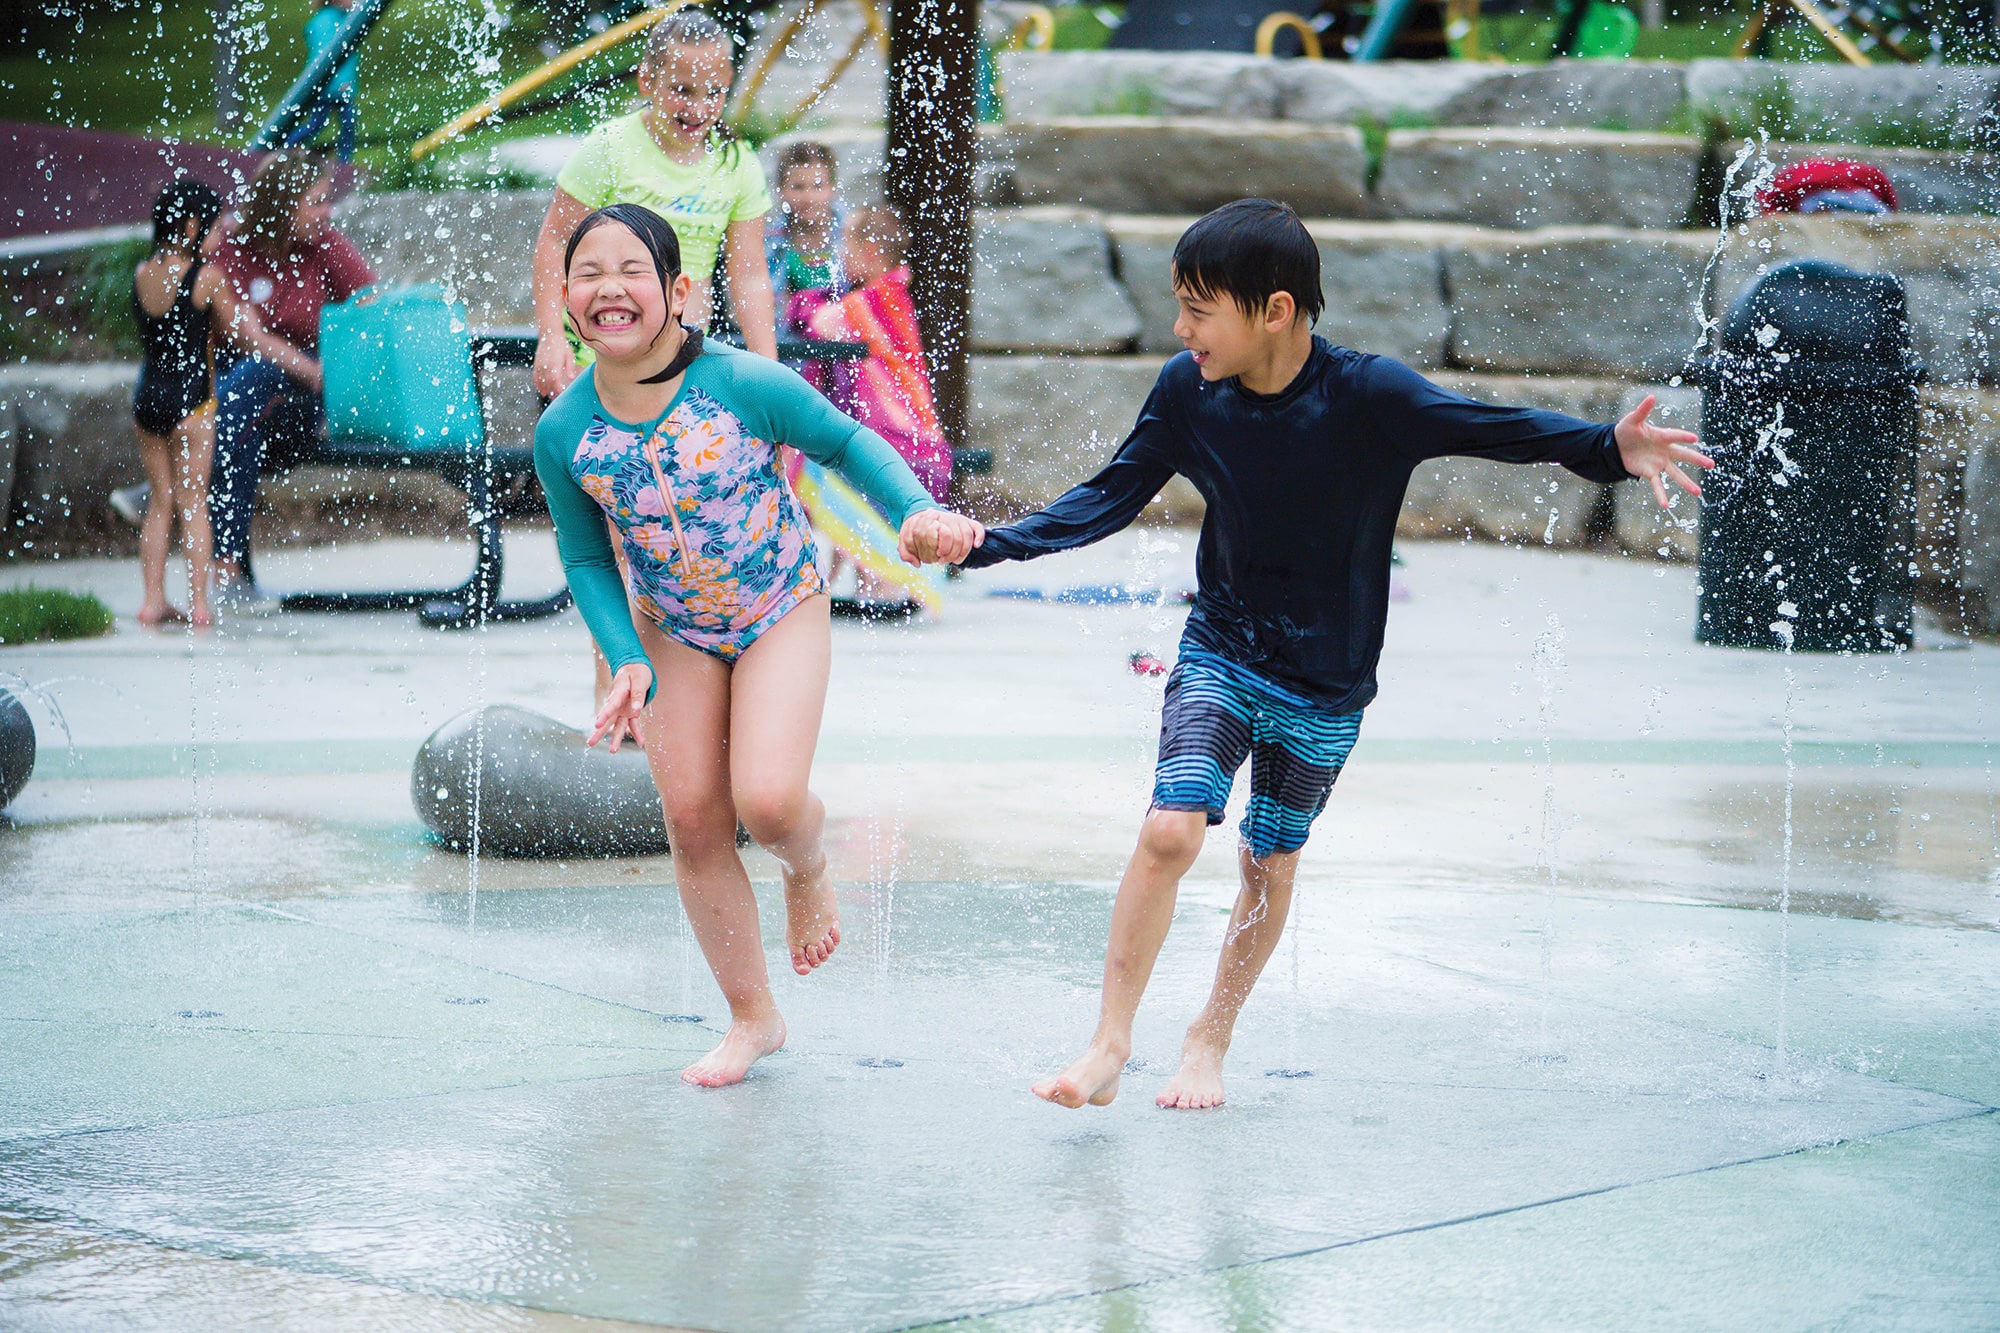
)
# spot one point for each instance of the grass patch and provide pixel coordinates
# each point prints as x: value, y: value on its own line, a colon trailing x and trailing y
x: 140, y: 67
x: 1375, y: 137
x: 50, y: 615
x: 1085, y: 27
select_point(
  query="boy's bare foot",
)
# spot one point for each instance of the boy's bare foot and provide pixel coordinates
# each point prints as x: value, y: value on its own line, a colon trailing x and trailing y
x: 742, y: 1046
x: 812, y: 919
x: 1092, y: 1077
x: 200, y: 616
x: 152, y: 617
x: 1198, y: 1083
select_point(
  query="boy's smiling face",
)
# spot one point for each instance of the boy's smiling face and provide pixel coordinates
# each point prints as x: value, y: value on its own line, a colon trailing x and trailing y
x: 1225, y: 339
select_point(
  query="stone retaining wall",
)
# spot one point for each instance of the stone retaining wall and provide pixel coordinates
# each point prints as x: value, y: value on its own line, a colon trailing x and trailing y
x: 1833, y: 102
x: 1130, y: 164
x: 1539, y: 178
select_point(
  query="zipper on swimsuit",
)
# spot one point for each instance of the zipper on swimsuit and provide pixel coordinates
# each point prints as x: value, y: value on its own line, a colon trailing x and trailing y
x: 652, y: 451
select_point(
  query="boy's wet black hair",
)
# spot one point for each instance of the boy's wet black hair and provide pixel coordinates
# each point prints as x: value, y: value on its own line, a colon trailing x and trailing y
x: 180, y: 203
x: 654, y: 232
x: 1249, y: 251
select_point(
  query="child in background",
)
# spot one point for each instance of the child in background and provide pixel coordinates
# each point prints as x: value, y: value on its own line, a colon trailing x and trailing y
x: 673, y: 442
x: 1303, y: 451
x: 323, y: 29
x: 803, y: 248
x: 179, y: 302
x: 891, y: 389
x: 676, y: 157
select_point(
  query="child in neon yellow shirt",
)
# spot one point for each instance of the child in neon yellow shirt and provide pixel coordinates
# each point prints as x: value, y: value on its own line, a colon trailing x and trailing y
x: 675, y: 157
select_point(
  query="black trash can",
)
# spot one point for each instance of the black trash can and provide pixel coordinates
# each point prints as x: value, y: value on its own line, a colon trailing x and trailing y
x: 1808, y: 519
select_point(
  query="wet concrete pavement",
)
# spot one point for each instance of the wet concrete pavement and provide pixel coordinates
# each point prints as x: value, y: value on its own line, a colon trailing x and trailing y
x: 1526, y: 1059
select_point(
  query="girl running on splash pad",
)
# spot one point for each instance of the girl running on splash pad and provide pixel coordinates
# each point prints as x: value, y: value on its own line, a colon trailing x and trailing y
x: 675, y: 441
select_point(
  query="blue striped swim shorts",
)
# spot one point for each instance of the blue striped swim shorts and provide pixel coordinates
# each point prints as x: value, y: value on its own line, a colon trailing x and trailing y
x: 1218, y: 714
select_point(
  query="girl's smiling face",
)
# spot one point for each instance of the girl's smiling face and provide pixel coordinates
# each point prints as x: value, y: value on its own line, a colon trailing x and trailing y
x: 688, y: 85
x: 613, y: 294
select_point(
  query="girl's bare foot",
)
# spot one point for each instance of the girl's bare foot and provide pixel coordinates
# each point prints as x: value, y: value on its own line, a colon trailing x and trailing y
x: 152, y: 617
x: 1198, y: 1084
x: 200, y: 616
x: 1092, y: 1077
x: 812, y: 919
x: 742, y: 1046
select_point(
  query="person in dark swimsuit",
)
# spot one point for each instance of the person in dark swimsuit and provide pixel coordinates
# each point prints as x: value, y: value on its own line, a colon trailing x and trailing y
x: 179, y: 302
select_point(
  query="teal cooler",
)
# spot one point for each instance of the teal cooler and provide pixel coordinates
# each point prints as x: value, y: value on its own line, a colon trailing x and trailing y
x: 398, y: 369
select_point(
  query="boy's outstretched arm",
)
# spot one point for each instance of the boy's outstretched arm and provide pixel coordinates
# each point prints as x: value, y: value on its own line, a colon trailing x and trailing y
x: 1083, y: 514
x: 1656, y: 452
x: 1427, y: 421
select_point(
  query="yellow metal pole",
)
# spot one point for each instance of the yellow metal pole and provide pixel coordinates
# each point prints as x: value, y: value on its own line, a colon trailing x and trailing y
x: 1835, y: 38
x: 1273, y: 24
x: 1035, y: 32
x: 753, y: 85
x: 555, y: 69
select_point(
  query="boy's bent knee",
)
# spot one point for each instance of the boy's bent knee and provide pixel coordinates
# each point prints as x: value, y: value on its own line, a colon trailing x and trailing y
x: 1173, y: 836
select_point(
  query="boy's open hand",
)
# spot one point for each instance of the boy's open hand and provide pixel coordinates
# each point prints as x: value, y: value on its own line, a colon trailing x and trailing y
x: 623, y: 703
x: 938, y: 536
x: 1656, y: 452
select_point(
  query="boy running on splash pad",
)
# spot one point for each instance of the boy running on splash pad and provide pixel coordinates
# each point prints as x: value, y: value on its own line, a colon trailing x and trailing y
x: 1302, y: 451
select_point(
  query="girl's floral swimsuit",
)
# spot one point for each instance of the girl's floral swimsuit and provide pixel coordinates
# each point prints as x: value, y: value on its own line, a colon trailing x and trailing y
x: 718, y: 545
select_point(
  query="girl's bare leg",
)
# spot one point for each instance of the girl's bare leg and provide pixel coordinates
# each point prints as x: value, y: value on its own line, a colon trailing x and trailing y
x: 687, y: 727
x: 156, y: 533
x: 776, y: 701
x: 1262, y: 905
x: 193, y: 452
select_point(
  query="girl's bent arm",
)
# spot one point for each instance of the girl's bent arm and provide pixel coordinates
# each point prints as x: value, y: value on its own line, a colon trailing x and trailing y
x: 750, y: 286
x: 587, y: 560
x: 555, y: 363
x: 781, y: 407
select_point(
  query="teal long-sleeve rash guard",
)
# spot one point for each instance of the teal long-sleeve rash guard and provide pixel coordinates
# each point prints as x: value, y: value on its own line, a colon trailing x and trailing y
x: 771, y: 404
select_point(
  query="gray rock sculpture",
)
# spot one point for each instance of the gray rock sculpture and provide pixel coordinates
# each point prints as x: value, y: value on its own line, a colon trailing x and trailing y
x: 539, y: 791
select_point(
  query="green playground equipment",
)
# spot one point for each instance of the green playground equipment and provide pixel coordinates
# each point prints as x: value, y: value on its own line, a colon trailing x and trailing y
x: 298, y: 101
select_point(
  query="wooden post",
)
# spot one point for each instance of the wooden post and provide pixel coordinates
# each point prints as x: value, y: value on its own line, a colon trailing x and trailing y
x: 933, y: 102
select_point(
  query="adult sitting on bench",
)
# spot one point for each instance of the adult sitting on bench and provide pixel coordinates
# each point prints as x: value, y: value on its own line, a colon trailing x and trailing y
x: 285, y: 261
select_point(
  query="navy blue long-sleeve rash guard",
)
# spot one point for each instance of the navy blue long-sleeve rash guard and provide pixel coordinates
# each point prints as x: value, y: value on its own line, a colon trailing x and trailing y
x: 1303, y: 489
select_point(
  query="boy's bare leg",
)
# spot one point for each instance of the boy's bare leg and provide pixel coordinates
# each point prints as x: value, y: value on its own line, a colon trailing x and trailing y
x: 776, y: 701
x: 1262, y: 905
x: 688, y: 721
x: 1169, y: 841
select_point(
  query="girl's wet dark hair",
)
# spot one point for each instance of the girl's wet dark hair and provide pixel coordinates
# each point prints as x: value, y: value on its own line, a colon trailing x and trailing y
x: 657, y: 235
x: 1249, y: 251
x: 179, y: 204
x: 654, y: 232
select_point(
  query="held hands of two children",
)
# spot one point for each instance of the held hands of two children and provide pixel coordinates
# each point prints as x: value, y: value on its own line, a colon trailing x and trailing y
x: 938, y: 536
x: 623, y: 703
x: 1656, y: 452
